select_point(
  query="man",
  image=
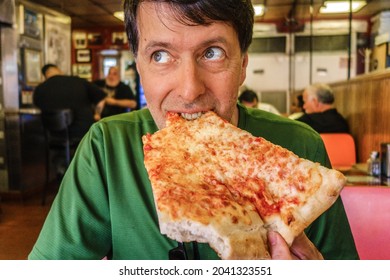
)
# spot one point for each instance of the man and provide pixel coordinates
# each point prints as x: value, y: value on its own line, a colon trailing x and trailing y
x: 59, y: 91
x: 249, y: 99
x: 320, y: 113
x: 106, y: 187
x: 120, y: 98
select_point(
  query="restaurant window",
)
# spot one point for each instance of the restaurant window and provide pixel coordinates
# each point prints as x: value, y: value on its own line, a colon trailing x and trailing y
x: 268, y: 45
x: 322, y: 43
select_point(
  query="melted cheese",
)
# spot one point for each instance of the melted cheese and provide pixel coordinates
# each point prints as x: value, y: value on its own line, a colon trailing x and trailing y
x: 209, y: 171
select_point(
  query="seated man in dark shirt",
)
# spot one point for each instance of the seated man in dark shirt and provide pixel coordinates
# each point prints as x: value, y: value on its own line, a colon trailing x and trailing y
x: 120, y: 98
x: 60, y: 91
x: 320, y: 113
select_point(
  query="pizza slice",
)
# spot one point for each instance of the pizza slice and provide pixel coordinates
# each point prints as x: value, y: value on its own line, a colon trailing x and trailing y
x: 213, y: 182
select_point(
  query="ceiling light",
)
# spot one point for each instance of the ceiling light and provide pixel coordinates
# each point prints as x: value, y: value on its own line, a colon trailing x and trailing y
x: 120, y: 15
x: 259, y: 10
x: 335, y: 7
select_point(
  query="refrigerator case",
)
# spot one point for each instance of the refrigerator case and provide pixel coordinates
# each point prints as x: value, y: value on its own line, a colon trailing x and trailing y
x: 10, y: 144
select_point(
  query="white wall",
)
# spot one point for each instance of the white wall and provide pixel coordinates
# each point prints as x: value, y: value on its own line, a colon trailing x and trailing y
x: 274, y: 72
x: 326, y: 68
x: 270, y: 72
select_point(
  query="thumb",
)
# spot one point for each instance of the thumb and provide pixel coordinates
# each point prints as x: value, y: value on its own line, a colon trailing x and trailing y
x: 278, y: 247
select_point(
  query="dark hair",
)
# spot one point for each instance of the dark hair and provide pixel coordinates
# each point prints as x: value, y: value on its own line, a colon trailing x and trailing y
x: 239, y: 13
x: 248, y: 96
x: 46, y: 67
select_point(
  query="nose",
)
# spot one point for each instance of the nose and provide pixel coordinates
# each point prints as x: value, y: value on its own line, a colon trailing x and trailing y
x: 190, y: 80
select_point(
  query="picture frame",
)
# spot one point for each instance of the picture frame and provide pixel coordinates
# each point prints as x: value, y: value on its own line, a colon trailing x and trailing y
x: 79, y: 40
x: 94, y: 39
x: 83, y: 56
x: 118, y: 38
x: 83, y: 70
x: 58, y: 42
x: 30, y: 23
x: 32, y: 61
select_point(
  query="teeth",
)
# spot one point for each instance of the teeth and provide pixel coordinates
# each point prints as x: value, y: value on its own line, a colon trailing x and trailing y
x: 190, y: 117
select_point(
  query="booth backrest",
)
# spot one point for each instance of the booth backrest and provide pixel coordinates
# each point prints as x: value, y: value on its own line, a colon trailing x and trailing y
x: 341, y: 149
x: 368, y: 212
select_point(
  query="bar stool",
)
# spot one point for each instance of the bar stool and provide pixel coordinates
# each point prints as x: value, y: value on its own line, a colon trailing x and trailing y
x: 56, y: 129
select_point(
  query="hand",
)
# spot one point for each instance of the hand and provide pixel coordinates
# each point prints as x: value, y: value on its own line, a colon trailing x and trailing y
x: 96, y: 117
x: 301, y: 248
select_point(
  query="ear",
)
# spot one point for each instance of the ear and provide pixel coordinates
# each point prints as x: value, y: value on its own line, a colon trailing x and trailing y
x: 136, y: 65
x: 243, y: 68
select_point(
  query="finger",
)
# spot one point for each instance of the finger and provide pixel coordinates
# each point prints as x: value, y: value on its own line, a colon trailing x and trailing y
x: 278, y: 247
x: 304, y: 249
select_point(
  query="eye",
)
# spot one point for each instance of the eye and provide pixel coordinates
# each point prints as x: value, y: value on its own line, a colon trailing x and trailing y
x: 161, y: 57
x: 214, y: 53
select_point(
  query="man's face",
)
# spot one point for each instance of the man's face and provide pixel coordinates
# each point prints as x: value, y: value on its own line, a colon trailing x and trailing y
x: 310, y: 103
x: 188, y: 69
x: 113, y: 76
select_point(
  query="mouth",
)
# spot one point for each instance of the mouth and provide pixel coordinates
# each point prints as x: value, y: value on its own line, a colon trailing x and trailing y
x: 191, y: 116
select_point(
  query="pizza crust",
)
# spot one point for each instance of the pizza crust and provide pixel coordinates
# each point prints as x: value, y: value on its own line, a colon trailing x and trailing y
x: 230, y: 240
x: 213, y: 182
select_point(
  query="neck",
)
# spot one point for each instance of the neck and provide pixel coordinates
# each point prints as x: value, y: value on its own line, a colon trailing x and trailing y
x: 112, y: 83
x: 325, y: 107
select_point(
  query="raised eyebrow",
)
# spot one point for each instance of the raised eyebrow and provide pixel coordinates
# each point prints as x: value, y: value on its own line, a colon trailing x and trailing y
x: 152, y: 45
x: 213, y: 41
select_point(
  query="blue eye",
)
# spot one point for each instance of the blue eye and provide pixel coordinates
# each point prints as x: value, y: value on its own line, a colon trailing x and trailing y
x: 161, y: 57
x: 214, y: 53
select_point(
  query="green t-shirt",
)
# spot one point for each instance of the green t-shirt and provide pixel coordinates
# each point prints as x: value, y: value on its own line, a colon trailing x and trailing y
x: 105, y: 205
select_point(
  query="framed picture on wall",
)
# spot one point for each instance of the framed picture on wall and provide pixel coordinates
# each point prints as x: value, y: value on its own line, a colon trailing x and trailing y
x: 95, y: 39
x: 118, y: 38
x: 58, y: 42
x: 83, y: 56
x: 79, y: 39
x: 32, y: 61
x: 83, y: 70
x: 30, y: 23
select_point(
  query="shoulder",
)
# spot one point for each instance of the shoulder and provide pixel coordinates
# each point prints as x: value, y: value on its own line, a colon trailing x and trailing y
x: 123, y: 87
x: 67, y: 80
x: 332, y: 111
x: 138, y: 122
x: 122, y: 84
x: 99, y: 82
x: 39, y: 87
x: 124, y: 91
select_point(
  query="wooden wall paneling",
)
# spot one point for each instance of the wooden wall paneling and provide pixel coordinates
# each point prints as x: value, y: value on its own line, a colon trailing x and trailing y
x: 364, y: 102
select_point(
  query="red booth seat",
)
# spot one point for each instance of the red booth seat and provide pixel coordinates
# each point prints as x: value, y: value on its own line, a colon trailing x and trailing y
x: 341, y: 149
x: 368, y: 211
